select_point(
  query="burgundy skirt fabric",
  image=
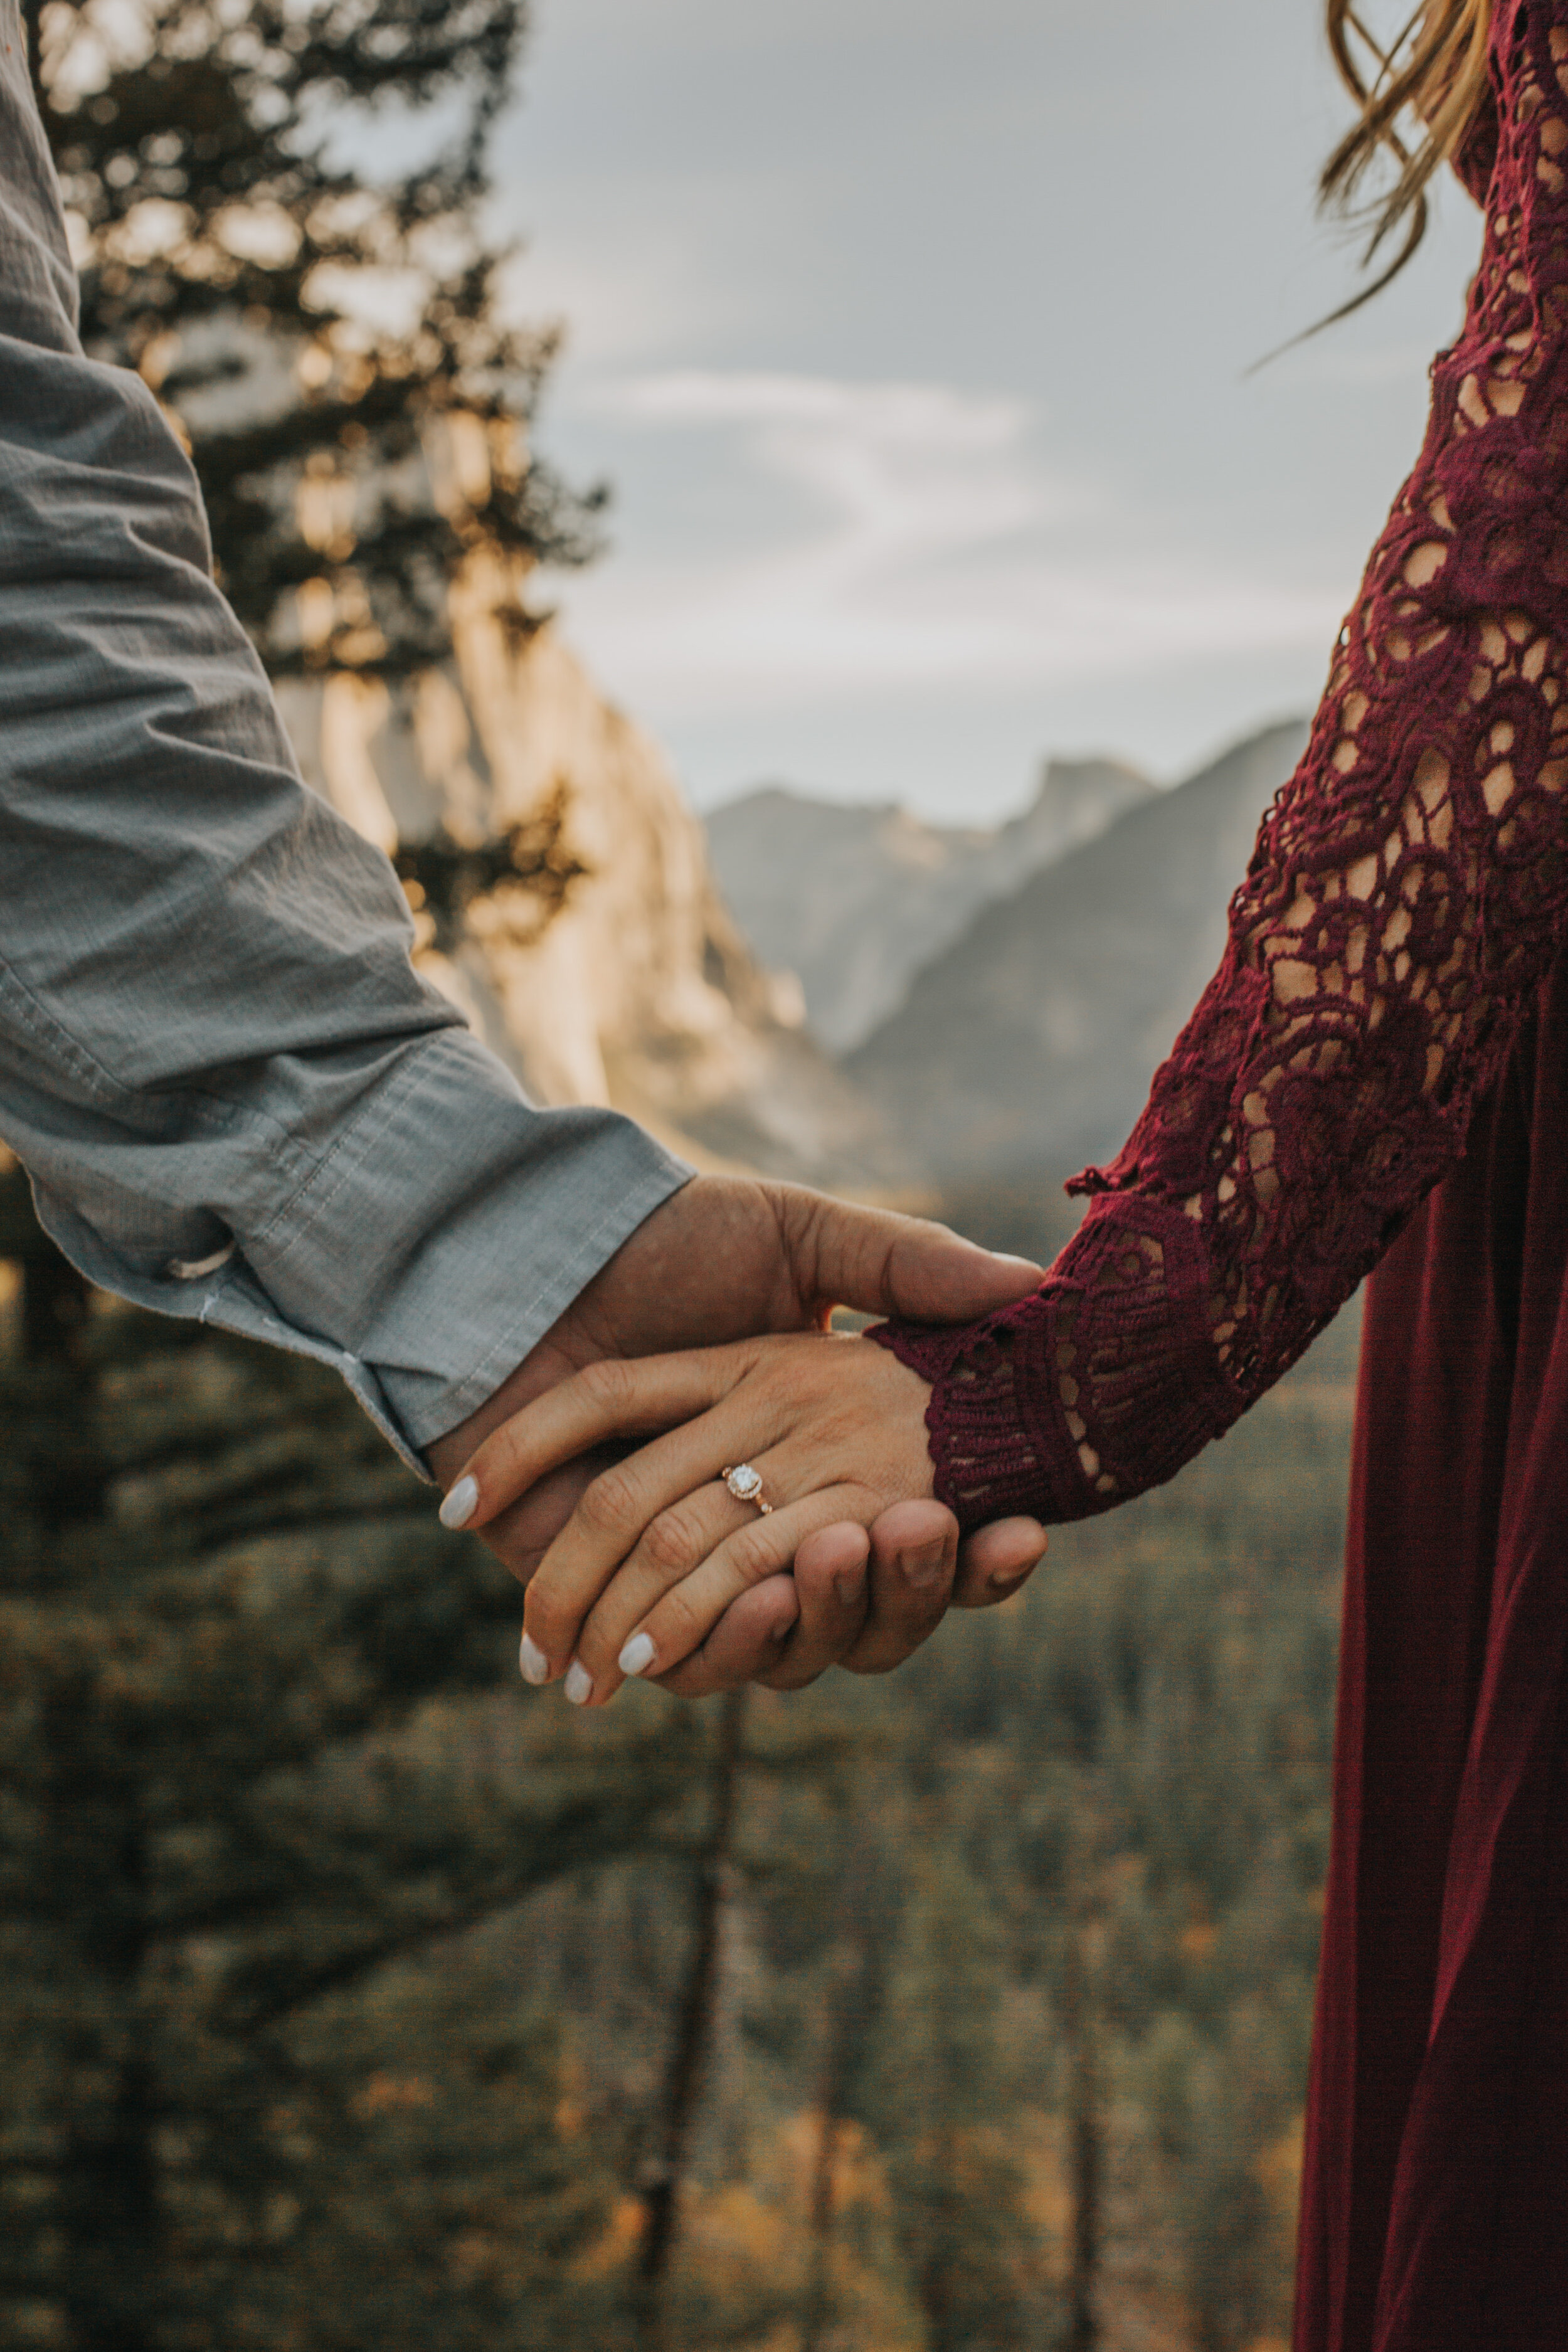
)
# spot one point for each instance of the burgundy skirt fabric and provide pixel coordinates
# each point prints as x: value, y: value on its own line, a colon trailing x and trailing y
x: 1435, y: 2210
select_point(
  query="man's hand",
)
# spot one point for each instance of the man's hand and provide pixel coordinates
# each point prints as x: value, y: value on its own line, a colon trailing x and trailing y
x: 723, y: 1259
x: 860, y: 1598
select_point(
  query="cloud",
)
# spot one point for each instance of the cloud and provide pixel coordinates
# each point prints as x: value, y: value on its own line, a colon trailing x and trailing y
x: 923, y: 541
x: 625, y: 292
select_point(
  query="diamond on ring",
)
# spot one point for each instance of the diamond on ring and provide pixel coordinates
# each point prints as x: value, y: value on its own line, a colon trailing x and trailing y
x: 746, y: 1485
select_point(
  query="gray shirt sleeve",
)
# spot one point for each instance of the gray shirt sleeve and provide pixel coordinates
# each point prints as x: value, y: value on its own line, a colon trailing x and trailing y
x: 235, y: 1096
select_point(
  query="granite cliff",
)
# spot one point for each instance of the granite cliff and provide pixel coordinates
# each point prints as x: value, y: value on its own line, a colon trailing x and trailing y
x: 625, y: 983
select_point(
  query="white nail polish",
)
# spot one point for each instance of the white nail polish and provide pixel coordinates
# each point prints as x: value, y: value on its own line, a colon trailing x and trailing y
x: 461, y: 1505
x: 579, y: 1682
x: 637, y: 1655
x: 531, y: 1660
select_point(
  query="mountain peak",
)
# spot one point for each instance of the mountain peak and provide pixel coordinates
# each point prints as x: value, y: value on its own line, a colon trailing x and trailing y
x: 1025, y: 1048
x: 1064, y: 784
x: 854, y: 896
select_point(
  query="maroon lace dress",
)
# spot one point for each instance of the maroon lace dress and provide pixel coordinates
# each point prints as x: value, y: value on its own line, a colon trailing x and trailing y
x: 1378, y: 1076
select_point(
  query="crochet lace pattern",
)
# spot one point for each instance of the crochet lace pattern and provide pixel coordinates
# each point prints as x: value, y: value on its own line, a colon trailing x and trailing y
x: 1405, y: 898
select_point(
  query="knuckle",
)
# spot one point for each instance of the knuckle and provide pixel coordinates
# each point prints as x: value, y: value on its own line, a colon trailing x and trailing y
x: 606, y: 1384
x: 609, y: 1502
x: 751, y: 1553
x: 670, y: 1544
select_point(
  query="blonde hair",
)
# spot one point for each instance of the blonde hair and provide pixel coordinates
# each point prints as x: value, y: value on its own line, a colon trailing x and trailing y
x: 1434, y: 72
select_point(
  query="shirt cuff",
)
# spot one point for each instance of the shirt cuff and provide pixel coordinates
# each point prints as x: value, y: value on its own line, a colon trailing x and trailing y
x: 429, y: 1249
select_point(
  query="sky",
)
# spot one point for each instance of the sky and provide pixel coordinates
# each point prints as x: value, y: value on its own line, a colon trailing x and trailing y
x: 911, y: 336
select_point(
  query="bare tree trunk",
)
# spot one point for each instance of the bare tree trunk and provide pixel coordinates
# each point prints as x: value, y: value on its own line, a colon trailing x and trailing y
x: 1085, y: 2160
x: 819, y: 2225
x: 108, y: 2218
x: 944, y: 2227
x: 850, y: 1966
x: 693, y: 2031
x: 54, y: 1309
x: 110, y: 2223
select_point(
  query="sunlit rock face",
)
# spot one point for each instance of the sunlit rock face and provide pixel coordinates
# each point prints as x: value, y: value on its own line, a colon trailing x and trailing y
x: 627, y: 982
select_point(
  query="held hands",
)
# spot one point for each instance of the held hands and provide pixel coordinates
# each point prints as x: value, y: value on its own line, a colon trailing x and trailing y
x: 832, y: 1430
x: 722, y: 1258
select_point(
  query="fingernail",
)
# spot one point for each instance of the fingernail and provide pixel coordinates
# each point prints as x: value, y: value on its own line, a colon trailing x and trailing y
x: 461, y: 1505
x: 1023, y: 1264
x: 533, y: 1661
x: 926, y: 1567
x: 579, y: 1682
x: 637, y: 1655
x: 849, y: 1586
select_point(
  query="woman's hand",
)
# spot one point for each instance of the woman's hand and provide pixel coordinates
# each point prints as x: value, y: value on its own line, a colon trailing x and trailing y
x: 658, y: 1547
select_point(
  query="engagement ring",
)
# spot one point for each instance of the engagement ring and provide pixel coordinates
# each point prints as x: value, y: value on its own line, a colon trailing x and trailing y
x: 746, y: 1485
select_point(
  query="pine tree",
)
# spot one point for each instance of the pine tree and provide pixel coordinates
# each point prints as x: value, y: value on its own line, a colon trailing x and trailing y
x: 1086, y: 2148
x: 940, y: 2096
x: 324, y: 338
x: 261, y: 1747
x: 853, y: 1989
x: 332, y: 346
x: 452, y: 2196
x: 665, y: 2171
x: 264, y: 1763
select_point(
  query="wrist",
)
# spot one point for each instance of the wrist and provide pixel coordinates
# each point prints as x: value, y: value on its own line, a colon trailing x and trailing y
x: 541, y: 1366
x: 578, y: 1335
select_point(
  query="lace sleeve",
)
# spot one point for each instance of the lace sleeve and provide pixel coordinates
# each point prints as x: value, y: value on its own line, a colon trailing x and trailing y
x: 1407, y: 890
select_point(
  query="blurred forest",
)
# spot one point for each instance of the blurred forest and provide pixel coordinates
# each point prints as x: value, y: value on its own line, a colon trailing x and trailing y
x: 353, y: 1995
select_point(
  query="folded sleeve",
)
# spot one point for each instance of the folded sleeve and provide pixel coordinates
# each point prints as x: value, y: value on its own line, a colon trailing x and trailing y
x: 235, y: 1096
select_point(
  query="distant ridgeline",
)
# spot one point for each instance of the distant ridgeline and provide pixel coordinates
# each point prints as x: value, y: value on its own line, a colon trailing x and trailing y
x: 856, y: 900
x: 842, y: 994
x: 1002, y: 998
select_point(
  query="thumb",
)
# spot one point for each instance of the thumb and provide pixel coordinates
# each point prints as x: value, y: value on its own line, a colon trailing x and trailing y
x: 884, y: 1264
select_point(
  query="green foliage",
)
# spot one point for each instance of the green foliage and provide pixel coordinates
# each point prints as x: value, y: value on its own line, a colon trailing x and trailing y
x: 341, y: 1973
x: 1124, y: 1772
x: 337, y: 1973
x: 941, y: 2092
x: 317, y: 327
x: 443, y: 2196
x: 262, y: 1747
